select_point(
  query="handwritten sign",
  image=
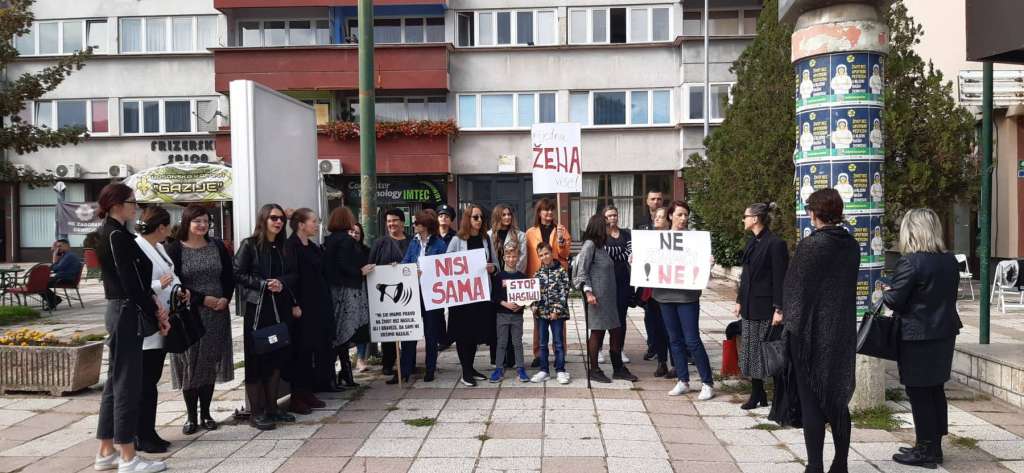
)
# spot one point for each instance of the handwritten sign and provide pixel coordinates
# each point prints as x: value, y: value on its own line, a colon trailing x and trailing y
x: 522, y: 291
x: 671, y: 259
x: 394, y: 297
x: 454, y: 279
x: 557, y: 158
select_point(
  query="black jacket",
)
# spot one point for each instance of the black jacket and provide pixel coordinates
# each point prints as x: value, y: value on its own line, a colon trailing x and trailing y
x: 923, y: 295
x: 344, y: 258
x: 227, y: 272
x: 310, y: 289
x: 127, y: 271
x: 765, y: 260
x: 254, y: 264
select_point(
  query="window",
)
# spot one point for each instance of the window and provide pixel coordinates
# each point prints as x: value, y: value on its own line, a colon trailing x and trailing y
x: 37, y: 226
x: 249, y: 32
x: 507, y: 28
x: 621, y: 107
x: 96, y: 35
x: 750, y: 21
x: 617, y: 25
x: 181, y: 34
x: 620, y: 25
x: 207, y: 32
x: 131, y: 35
x: 168, y: 115
x: 579, y: 103
x: 166, y: 34
x: 270, y: 33
x: 62, y: 37
x: 578, y: 26
x: 414, y: 30
x: 275, y: 33
x: 88, y: 114
x: 694, y: 97
x: 402, y: 30
x: 401, y: 108
x: 156, y: 35
x: 661, y: 28
x: 301, y: 33
x: 609, y: 108
x: 511, y: 110
x: 627, y: 192
x: 48, y: 34
x: 387, y: 30
x: 72, y: 35
x: 692, y: 23
x: 638, y: 25
x: 721, y: 22
x: 435, y: 29
x: 321, y: 108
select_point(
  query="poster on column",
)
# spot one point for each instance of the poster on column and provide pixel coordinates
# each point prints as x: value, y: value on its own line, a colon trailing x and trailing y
x: 876, y: 139
x: 812, y: 134
x: 671, y: 259
x: 877, y: 244
x: 454, y: 279
x: 876, y: 78
x: 850, y: 80
x: 860, y: 227
x: 813, y: 177
x: 804, y: 227
x: 876, y: 191
x: 869, y: 289
x: 557, y: 158
x: 849, y: 135
x: 852, y: 180
x: 393, y: 294
x: 811, y: 81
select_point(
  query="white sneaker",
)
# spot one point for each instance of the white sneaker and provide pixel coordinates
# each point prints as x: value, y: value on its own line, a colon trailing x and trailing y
x: 681, y: 387
x: 706, y: 392
x: 140, y: 465
x: 108, y: 462
x: 600, y: 357
x: 625, y: 359
x: 540, y: 377
x: 563, y: 377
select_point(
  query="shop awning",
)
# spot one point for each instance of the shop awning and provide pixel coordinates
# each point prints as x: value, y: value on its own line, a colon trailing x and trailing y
x: 182, y: 182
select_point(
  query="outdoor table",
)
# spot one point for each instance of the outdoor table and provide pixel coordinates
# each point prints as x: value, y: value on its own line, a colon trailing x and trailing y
x: 8, y: 279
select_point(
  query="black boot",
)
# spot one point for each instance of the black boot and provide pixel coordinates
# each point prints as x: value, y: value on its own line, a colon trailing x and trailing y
x: 619, y: 371
x: 598, y: 376
x: 191, y: 425
x: 345, y: 376
x: 936, y: 451
x: 661, y: 370
x: 758, y: 397
x: 921, y: 456
x: 257, y: 407
x: 270, y: 391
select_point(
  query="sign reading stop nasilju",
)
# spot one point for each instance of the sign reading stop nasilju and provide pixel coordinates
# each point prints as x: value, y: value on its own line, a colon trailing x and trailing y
x: 671, y: 259
x: 556, y: 158
x: 454, y: 279
x: 522, y: 291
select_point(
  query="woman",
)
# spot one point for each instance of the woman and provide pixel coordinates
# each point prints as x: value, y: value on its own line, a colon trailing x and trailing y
x: 680, y: 310
x: 619, y: 246
x: 505, y: 231
x: 426, y: 242
x: 759, y: 299
x: 923, y: 294
x: 596, y: 273
x: 154, y: 228
x: 545, y: 229
x: 204, y: 266
x: 310, y: 330
x: 820, y: 307
x: 472, y: 324
x: 132, y: 314
x: 345, y: 268
x: 653, y: 322
x: 356, y: 232
x: 263, y: 274
x: 390, y: 249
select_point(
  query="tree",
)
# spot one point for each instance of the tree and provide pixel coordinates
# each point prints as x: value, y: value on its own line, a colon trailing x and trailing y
x: 750, y: 156
x: 929, y: 138
x: 19, y: 136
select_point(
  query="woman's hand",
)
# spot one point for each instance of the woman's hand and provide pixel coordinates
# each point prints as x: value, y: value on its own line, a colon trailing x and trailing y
x: 591, y: 299
x: 162, y: 314
x: 210, y: 302
x: 165, y: 327
x: 184, y: 295
x: 274, y: 285
x: 736, y: 310
x: 367, y: 269
x: 560, y: 231
x: 296, y: 312
x: 166, y: 280
x: 777, y: 317
x: 222, y: 304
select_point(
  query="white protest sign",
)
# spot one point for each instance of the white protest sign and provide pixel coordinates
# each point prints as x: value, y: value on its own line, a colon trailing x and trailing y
x: 671, y: 259
x: 522, y: 291
x: 557, y: 158
x: 394, y: 297
x: 454, y: 279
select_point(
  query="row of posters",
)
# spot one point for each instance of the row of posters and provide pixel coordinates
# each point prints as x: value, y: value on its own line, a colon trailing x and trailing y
x: 859, y: 183
x: 839, y: 78
x: 839, y: 131
x: 866, y: 229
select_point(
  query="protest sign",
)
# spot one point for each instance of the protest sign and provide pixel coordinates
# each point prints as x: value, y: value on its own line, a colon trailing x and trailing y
x: 522, y: 291
x: 557, y: 158
x: 77, y: 218
x: 394, y: 297
x: 671, y: 259
x: 454, y: 279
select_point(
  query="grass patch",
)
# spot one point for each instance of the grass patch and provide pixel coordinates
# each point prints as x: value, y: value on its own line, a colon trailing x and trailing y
x: 239, y: 364
x: 421, y: 422
x: 483, y: 437
x: 391, y: 408
x: 636, y: 388
x: 895, y: 395
x: 964, y: 442
x: 733, y: 387
x: 79, y: 339
x: 877, y: 418
x: 358, y: 392
x: 767, y: 426
x: 14, y: 314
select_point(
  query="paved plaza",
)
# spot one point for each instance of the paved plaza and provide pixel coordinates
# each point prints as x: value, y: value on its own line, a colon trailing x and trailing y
x: 506, y: 427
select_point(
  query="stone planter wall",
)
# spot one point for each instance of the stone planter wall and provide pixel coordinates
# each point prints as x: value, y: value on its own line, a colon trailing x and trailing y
x: 57, y: 370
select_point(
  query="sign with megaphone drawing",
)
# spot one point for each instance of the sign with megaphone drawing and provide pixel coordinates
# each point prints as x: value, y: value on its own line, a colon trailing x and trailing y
x: 394, y: 298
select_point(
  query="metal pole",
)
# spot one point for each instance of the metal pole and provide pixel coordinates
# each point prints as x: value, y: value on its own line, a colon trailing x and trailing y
x: 367, y: 124
x: 985, y: 210
x: 707, y: 76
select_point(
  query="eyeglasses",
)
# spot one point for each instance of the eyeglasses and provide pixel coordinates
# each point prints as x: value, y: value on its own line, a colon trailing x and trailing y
x: 477, y: 217
x: 748, y: 216
x: 133, y: 202
x: 277, y: 218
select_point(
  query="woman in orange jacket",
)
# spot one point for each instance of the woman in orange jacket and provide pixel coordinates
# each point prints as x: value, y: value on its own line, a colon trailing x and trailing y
x: 545, y: 228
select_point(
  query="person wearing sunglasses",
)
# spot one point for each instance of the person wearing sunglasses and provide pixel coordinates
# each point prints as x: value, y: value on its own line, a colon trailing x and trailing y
x: 472, y: 324
x: 425, y: 242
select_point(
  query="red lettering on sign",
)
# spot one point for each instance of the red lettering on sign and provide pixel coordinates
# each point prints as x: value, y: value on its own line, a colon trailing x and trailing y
x: 673, y: 274
x: 451, y: 266
x: 438, y: 293
x: 558, y: 159
x: 456, y: 291
x: 536, y: 159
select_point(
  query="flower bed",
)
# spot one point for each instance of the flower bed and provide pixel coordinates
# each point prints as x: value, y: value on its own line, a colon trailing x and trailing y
x: 424, y: 128
x: 35, y: 361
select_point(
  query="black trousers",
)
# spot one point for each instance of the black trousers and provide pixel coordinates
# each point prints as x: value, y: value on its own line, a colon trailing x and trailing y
x: 119, y: 405
x: 49, y: 295
x: 152, y: 369
x: 930, y: 410
x: 814, y: 429
x: 300, y: 372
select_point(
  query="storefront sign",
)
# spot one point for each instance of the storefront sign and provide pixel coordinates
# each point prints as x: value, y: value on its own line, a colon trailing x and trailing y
x: 454, y: 279
x: 394, y: 299
x: 182, y: 183
x: 77, y: 218
x: 395, y: 191
x: 557, y: 158
x: 185, y: 151
x: 671, y: 259
x: 522, y: 291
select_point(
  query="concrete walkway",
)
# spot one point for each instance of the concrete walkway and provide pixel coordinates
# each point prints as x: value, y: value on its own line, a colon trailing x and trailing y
x: 504, y: 427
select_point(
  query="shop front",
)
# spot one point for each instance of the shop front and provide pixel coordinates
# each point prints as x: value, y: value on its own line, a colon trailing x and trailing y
x: 408, y: 193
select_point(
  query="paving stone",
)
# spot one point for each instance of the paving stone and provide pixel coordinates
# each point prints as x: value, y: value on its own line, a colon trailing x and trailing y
x: 515, y: 431
x: 520, y: 404
x: 797, y: 436
x: 629, y: 432
x: 1014, y: 466
x: 209, y: 449
x: 191, y: 465
x: 746, y: 437
x: 828, y: 453
x: 248, y: 465
x: 443, y: 430
x: 893, y: 467
x: 877, y: 450
x: 573, y: 448
x: 1004, y: 450
x: 403, y: 415
x: 730, y: 423
x: 358, y: 430
x: 575, y: 404
x: 678, y: 421
x: 52, y: 464
x: 869, y: 435
x: 390, y: 448
x: 346, y: 415
x: 715, y: 408
x: 572, y: 431
x: 231, y: 432
x: 310, y: 465
x: 48, y: 444
x: 697, y: 452
x: 508, y: 465
x: 627, y: 405
x: 448, y: 448
x: 11, y: 417
x: 574, y: 465
x: 704, y: 467
x: 639, y: 465
x: 35, y: 404
x: 377, y: 465
x: 443, y: 465
x: 517, y: 416
x: 421, y: 404
x: 754, y: 453
x: 636, y: 449
x: 771, y: 467
x: 982, y: 432
x: 396, y: 430
x: 623, y: 417
x: 329, y: 447
x: 670, y: 407
x: 464, y: 415
x: 10, y: 464
x: 268, y: 449
x: 289, y: 431
x: 458, y: 404
x: 511, y: 448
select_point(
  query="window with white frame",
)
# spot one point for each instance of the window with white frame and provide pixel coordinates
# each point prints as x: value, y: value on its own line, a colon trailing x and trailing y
x: 394, y: 109
x: 693, y: 98
x: 620, y: 25
x: 643, y: 107
x: 401, y: 30
x: 302, y: 32
x: 721, y: 22
x: 509, y: 110
x: 165, y: 116
x: 167, y: 34
x: 63, y: 37
x: 507, y: 28
x: 90, y: 114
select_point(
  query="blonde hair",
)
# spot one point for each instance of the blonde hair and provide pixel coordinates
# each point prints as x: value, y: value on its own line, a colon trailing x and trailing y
x: 921, y: 232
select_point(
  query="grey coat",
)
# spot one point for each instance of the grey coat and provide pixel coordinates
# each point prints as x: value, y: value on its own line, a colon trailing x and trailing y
x: 596, y: 271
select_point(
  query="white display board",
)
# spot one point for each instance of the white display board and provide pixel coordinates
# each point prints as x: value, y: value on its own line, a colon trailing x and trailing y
x: 556, y: 158
x: 671, y: 259
x: 394, y: 296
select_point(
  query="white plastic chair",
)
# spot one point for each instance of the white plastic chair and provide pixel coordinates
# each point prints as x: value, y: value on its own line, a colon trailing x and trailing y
x: 1005, y: 284
x: 965, y: 273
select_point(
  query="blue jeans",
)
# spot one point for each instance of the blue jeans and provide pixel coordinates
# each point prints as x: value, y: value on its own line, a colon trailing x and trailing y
x: 682, y: 324
x: 556, y: 327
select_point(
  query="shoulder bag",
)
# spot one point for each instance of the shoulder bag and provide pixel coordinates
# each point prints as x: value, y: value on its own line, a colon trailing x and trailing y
x: 272, y: 337
x: 148, y: 325
x: 186, y: 326
x: 879, y: 335
x: 773, y: 349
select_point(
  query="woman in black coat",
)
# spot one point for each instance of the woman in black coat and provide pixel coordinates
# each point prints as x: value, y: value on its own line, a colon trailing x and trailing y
x: 923, y: 296
x: 759, y: 299
x: 820, y: 307
x: 346, y: 263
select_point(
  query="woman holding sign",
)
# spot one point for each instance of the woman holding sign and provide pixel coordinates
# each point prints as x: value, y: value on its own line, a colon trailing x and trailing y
x: 475, y: 323
x: 545, y: 228
x: 425, y: 242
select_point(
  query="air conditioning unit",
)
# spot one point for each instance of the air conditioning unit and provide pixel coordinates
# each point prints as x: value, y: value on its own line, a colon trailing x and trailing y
x: 329, y: 166
x: 67, y: 171
x: 119, y: 170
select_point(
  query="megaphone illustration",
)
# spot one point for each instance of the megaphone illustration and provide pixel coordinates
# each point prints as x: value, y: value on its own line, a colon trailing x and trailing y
x: 398, y: 293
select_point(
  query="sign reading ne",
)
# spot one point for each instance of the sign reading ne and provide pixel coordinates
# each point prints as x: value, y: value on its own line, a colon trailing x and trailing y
x: 394, y: 297
x: 522, y: 291
x: 557, y: 158
x: 454, y: 279
x: 671, y: 259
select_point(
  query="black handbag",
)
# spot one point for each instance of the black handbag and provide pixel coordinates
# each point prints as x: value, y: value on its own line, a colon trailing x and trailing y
x: 186, y: 326
x: 272, y: 337
x: 773, y: 349
x: 879, y: 335
x: 147, y: 325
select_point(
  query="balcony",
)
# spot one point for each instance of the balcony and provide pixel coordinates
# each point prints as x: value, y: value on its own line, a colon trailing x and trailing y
x: 228, y: 4
x: 334, y: 67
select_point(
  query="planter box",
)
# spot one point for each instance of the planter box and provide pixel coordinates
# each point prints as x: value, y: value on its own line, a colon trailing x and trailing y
x: 58, y: 370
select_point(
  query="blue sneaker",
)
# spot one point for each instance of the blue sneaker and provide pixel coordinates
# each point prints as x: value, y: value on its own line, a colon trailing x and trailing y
x: 523, y: 378
x: 497, y: 374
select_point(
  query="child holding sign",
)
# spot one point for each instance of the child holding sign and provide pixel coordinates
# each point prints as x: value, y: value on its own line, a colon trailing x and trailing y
x: 551, y: 311
x: 510, y: 317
